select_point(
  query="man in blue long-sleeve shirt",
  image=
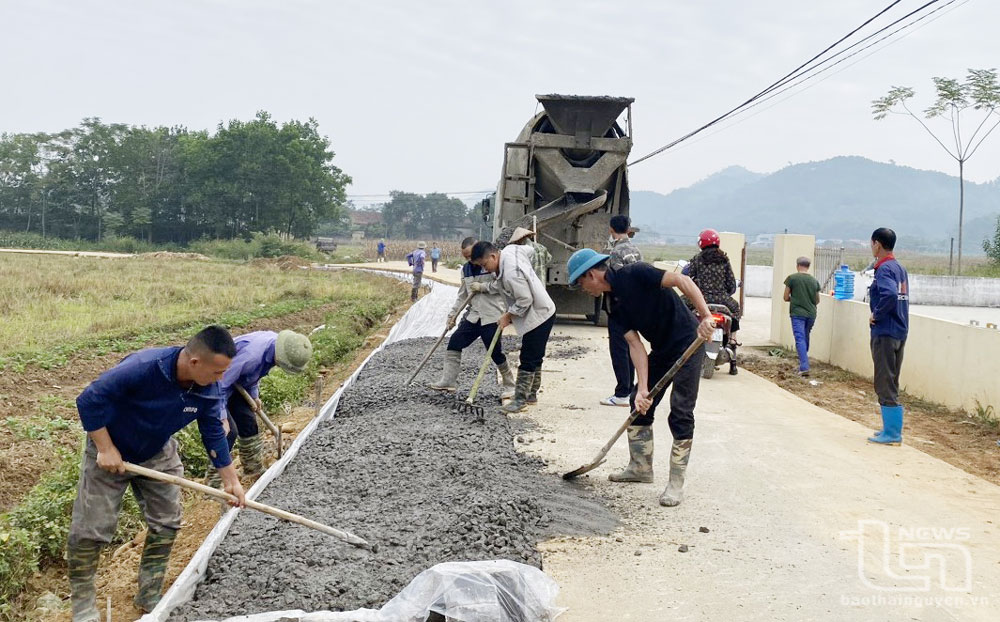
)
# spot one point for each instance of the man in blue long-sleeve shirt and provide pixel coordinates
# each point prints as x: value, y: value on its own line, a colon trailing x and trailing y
x: 130, y: 413
x: 889, y: 298
x: 256, y: 355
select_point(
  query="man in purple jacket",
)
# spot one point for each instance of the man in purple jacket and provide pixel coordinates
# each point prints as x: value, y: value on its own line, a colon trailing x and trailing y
x: 889, y: 298
x: 130, y: 413
x: 256, y: 354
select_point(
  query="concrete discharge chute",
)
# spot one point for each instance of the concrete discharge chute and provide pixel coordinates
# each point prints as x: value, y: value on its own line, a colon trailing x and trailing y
x: 565, y: 176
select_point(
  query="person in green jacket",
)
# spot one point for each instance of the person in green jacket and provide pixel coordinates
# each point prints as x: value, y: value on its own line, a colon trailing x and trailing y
x: 802, y: 292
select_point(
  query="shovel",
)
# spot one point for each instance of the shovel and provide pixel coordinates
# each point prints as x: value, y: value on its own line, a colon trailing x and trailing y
x: 657, y: 388
x: 275, y: 430
x: 469, y: 406
x: 347, y: 537
x: 440, y: 339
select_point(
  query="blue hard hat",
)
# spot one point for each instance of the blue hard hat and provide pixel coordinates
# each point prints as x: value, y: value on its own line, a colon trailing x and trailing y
x: 581, y: 261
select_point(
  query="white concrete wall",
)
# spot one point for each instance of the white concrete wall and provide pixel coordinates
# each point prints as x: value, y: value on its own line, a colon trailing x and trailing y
x: 945, y: 291
x: 944, y: 362
x: 758, y: 281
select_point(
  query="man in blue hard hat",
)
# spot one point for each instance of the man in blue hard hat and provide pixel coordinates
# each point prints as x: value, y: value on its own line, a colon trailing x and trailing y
x: 643, y: 300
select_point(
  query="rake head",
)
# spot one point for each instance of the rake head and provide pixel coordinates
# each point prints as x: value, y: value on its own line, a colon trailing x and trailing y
x: 468, y: 407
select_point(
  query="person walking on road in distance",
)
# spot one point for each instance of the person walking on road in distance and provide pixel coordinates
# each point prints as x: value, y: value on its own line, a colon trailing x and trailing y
x: 802, y: 292
x: 622, y: 252
x: 130, y: 413
x: 540, y: 256
x: 416, y: 258
x: 713, y: 274
x: 256, y: 354
x: 889, y: 300
x: 480, y: 322
x: 435, y: 257
x: 529, y: 308
x: 380, y: 247
x: 647, y: 306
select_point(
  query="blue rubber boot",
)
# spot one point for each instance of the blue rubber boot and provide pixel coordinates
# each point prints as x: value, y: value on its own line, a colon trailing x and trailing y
x: 892, y: 427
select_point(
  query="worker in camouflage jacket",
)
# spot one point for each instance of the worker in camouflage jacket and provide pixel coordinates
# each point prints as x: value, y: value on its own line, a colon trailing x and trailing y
x: 622, y: 252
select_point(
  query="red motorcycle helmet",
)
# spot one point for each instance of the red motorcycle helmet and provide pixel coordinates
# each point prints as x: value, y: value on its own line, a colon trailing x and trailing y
x: 708, y: 237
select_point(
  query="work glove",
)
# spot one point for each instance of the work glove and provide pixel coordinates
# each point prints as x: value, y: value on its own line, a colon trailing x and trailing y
x: 451, y: 318
x: 477, y: 287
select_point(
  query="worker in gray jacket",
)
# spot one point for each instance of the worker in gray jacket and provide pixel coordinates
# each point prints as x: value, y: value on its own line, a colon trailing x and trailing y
x: 480, y: 322
x: 529, y: 309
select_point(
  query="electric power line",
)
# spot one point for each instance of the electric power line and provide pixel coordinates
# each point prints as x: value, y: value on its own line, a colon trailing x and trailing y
x: 797, y: 72
x: 825, y: 69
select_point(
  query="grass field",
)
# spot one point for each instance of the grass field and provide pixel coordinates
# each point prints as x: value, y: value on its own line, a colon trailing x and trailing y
x: 67, y: 319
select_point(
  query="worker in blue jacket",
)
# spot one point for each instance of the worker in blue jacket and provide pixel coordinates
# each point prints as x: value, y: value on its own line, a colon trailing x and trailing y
x: 256, y: 355
x: 130, y: 413
x: 889, y: 300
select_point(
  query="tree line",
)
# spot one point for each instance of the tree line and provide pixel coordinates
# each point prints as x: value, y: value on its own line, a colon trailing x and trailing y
x: 170, y: 184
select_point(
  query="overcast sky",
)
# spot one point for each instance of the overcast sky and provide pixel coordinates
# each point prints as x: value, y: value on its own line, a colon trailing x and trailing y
x: 420, y: 95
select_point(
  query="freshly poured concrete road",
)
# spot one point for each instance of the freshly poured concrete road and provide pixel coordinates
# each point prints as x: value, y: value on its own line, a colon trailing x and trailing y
x: 806, y: 521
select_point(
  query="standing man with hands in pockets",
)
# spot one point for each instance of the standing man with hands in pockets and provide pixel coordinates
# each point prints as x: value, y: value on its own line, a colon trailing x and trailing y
x: 643, y: 299
x: 130, y: 413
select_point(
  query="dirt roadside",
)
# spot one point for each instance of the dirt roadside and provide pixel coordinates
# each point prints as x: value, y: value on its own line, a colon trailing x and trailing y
x: 119, y: 567
x: 958, y: 438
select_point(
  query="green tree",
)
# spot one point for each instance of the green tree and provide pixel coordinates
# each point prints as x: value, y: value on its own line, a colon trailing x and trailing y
x: 975, y: 100
x: 992, y: 247
x: 435, y: 214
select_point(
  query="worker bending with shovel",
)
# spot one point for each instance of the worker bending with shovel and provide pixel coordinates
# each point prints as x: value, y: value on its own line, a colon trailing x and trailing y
x: 130, y: 413
x: 529, y: 308
x: 256, y: 355
x: 643, y: 301
x: 480, y: 322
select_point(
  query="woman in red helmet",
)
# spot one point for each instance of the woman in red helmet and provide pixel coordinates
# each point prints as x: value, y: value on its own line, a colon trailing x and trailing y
x: 713, y: 274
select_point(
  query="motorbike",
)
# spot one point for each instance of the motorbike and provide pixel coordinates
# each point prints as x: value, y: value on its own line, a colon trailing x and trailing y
x: 718, y: 351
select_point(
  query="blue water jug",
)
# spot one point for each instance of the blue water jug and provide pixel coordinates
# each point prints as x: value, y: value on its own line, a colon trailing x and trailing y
x: 843, y: 283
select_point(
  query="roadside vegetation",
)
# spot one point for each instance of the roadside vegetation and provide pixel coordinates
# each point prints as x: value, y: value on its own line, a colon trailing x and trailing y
x: 67, y: 319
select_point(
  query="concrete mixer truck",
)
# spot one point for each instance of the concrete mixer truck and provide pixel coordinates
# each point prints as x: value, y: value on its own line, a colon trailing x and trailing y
x: 564, y: 177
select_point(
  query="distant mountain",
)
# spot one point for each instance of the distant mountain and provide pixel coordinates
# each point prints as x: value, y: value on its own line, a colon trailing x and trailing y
x: 844, y: 198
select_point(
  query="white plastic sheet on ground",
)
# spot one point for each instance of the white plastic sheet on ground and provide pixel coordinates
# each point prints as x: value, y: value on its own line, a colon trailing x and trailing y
x: 425, y: 318
x: 482, y: 591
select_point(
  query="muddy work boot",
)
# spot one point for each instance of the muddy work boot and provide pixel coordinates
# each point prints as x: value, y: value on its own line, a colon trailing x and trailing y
x: 507, y: 384
x: 449, y: 375
x: 536, y: 383
x: 82, y: 558
x: 252, y: 455
x: 521, y: 389
x: 640, y: 451
x: 680, y: 453
x: 152, y: 568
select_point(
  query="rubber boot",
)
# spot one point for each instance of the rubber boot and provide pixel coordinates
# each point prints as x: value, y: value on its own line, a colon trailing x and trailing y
x: 449, y: 375
x: 252, y: 454
x: 508, y: 383
x: 521, y: 388
x: 892, y: 427
x: 536, y: 382
x: 214, y: 480
x: 680, y: 453
x: 640, y: 451
x: 82, y: 559
x: 152, y: 568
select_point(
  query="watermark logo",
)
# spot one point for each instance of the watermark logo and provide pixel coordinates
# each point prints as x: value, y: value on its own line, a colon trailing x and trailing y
x: 912, y: 560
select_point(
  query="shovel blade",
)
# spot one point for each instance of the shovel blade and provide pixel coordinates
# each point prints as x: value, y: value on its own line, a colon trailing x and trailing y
x: 584, y: 469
